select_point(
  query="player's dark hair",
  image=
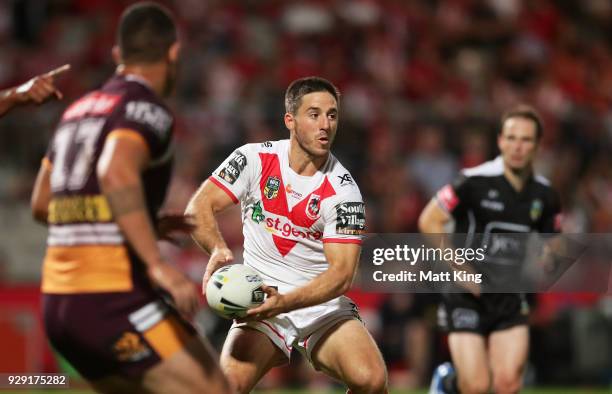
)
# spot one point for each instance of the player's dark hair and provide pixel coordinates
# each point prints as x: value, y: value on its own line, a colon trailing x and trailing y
x: 145, y: 33
x: 303, y: 86
x: 526, y: 112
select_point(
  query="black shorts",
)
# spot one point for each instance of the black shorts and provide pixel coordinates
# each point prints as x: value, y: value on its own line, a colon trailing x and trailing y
x: 104, y: 334
x: 464, y: 312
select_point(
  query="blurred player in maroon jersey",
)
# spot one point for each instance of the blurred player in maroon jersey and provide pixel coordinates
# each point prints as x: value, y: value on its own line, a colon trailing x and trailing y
x: 99, y: 188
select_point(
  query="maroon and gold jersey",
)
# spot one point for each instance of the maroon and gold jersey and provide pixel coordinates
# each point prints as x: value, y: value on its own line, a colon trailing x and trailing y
x: 86, y: 249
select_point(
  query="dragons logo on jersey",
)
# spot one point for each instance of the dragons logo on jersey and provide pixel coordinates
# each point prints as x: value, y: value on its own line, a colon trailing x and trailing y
x: 257, y: 215
x: 272, y: 186
x: 233, y: 168
x: 314, y: 206
x: 536, y: 209
x: 351, y: 218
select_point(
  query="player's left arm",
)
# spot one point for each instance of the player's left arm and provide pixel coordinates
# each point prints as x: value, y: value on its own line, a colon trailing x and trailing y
x: 560, y: 251
x: 41, y: 195
x: 335, y: 281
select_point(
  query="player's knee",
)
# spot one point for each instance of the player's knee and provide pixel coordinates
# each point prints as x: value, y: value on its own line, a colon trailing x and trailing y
x: 240, y: 382
x: 371, y: 380
x: 213, y: 384
x: 240, y: 386
x: 474, y: 385
x: 507, y: 383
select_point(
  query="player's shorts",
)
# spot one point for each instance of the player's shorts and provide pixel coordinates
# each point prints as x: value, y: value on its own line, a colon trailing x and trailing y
x: 304, y: 328
x: 464, y: 312
x: 104, y: 334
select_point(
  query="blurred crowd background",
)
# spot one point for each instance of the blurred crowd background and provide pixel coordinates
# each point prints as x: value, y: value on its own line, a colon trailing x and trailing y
x: 423, y: 85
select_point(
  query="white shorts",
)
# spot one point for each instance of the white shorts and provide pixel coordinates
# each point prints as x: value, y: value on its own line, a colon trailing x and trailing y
x: 304, y: 328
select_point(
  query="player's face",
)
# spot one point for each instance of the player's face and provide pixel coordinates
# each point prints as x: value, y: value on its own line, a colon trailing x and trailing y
x: 518, y: 143
x: 315, y: 123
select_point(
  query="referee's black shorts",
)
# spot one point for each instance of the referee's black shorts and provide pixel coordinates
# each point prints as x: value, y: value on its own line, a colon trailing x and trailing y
x: 464, y: 312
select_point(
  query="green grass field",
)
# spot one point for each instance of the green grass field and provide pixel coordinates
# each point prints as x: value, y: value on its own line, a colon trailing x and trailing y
x: 527, y: 391
x: 530, y: 391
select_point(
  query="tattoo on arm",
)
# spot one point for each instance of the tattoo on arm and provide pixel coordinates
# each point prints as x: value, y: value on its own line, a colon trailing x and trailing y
x: 126, y: 200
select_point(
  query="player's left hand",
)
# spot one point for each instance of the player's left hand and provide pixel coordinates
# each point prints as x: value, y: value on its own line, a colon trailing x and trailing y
x: 171, y: 225
x: 274, y: 304
x: 40, y: 88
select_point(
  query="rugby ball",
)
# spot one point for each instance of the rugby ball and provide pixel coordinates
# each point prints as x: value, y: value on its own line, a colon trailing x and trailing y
x: 233, y: 289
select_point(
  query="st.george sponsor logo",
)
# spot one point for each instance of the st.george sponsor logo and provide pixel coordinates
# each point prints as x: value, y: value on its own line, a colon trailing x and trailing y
x: 281, y: 227
x: 286, y: 229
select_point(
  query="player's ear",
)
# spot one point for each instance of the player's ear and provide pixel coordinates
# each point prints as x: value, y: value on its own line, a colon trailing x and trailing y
x: 289, y: 121
x: 116, y: 52
x: 173, y: 51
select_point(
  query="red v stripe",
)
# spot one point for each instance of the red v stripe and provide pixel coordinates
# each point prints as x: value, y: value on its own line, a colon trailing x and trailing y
x: 283, y: 245
x: 270, y: 168
x: 298, y: 214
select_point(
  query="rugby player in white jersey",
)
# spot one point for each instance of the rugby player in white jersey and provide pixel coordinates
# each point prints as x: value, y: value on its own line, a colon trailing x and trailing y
x: 303, y: 218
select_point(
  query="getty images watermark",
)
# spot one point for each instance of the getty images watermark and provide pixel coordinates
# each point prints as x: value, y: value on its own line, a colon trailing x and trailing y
x: 489, y: 262
x: 427, y: 255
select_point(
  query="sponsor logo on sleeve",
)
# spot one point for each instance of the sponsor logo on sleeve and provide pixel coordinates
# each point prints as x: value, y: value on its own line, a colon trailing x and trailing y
x: 149, y: 114
x: 448, y: 198
x: 272, y: 187
x: 350, y: 218
x: 233, y: 168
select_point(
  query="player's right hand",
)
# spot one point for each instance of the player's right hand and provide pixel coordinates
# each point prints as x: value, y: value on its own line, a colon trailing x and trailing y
x: 40, y: 88
x: 218, y: 258
x: 183, y: 291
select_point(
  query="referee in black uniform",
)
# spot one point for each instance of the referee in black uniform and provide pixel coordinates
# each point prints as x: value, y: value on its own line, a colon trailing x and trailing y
x: 488, y: 333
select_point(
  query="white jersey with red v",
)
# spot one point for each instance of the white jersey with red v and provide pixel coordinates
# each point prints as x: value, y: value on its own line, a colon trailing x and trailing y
x: 288, y: 217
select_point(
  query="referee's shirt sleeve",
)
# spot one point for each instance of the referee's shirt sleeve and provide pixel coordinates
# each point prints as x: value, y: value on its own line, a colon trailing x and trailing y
x: 453, y: 197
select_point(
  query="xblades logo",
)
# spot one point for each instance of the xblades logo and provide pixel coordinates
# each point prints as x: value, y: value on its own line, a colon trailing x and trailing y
x: 345, y: 179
